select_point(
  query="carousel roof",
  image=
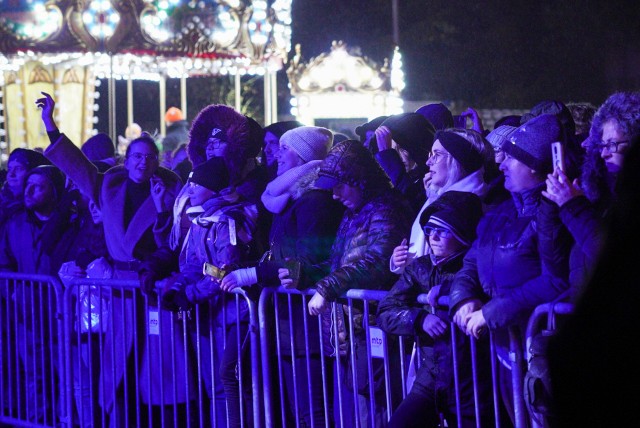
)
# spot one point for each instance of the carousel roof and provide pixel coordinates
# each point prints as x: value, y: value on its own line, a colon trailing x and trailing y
x: 344, y: 69
x: 148, y: 38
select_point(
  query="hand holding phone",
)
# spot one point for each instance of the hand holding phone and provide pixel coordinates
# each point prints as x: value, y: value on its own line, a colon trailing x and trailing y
x: 557, y: 154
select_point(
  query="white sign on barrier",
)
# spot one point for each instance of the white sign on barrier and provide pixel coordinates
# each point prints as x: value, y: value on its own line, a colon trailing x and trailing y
x: 377, y: 342
x: 154, y: 323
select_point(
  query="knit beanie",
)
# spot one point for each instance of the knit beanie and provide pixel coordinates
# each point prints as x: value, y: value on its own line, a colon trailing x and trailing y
x: 511, y: 120
x: 29, y: 158
x: 98, y: 147
x: 438, y: 115
x: 531, y: 142
x: 458, y: 212
x: 279, y: 128
x: 55, y: 177
x: 351, y: 163
x: 309, y: 142
x: 372, y: 125
x: 212, y: 174
x: 413, y: 133
x: 461, y: 150
x: 173, y: 114
x: 500, y: 135
x: 556, y: 108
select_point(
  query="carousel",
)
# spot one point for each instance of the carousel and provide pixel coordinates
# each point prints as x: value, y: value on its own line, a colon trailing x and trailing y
x: 342, y: 89
x: 68, y: 47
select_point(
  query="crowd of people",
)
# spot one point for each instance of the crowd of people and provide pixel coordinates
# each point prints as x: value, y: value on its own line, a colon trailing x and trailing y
x: 414, y: 205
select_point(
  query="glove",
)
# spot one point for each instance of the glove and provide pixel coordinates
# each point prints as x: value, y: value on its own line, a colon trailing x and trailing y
x: 147, y: 282
x: 175, y: 299
x: 244, y: 277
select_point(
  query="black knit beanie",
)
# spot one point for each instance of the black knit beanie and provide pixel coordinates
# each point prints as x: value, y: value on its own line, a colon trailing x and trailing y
x: 212, y: 174
x: 461, y: 150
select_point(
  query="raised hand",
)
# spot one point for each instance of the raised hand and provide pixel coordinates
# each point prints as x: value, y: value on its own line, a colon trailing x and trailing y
x: 383, y: 138
x: 158, y: 190
x: 400, y: 255
x: 47, y: 104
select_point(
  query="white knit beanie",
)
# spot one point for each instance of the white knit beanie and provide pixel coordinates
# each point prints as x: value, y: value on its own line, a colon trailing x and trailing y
x: 309, y: 142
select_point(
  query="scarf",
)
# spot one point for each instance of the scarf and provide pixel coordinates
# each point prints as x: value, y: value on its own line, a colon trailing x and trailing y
x: 281, y: 189
x: 418, y: 247
x: 178, y: 211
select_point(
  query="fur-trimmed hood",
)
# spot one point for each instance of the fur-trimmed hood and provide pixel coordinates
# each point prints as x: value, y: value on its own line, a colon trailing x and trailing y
x: 304, y: 184
x: 243, y: 135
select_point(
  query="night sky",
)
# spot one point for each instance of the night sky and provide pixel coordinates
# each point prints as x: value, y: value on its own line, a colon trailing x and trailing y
x: 493, y: 54
x: 496, y: 54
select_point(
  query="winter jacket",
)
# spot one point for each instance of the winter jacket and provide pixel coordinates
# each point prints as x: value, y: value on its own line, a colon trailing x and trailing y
x: 303, y: 232
x: 32, y: 246
x: 10, y: 205
x: 581, y: 229
x: 108, y: 190
x: 408, y: 183
x: 209, y: 240
x: 503, y: 268
x: 177, y: 133
x: 399, y: 313
x: 365, y: 241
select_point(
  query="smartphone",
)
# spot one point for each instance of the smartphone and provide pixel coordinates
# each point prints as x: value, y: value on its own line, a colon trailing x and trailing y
x: 213, y: 270
x: 557, y: 154
x: 294, y: 271
x: 460, y: 121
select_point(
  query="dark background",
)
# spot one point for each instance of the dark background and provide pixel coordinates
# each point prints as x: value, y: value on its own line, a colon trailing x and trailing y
x: 494, y: 54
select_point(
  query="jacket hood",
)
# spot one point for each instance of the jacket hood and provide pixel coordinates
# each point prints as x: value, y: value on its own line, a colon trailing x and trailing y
x: 349, y: 162
x: 243, y: 136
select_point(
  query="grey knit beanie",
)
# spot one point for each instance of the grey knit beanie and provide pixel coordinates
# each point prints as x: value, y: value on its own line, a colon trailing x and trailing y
x: 309, y: 142
x: 531, y: 142
x: 500, y: 135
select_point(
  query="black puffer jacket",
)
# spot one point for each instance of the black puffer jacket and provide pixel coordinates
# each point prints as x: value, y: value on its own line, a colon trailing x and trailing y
x: 399, y: 313
x: 367, y: 235
x: 364, y: 244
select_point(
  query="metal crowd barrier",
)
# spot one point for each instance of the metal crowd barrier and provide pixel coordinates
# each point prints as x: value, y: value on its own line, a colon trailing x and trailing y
x: 31, y: 365
x: 386, y: 360
x: 100, y: 353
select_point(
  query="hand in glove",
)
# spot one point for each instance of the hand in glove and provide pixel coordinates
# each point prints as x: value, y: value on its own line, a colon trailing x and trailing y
x: 175, y: 299
x: 239, y: 278
x: 147, y: 282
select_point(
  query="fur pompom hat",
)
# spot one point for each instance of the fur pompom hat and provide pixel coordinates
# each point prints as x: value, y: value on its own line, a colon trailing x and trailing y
x: 234, y: 128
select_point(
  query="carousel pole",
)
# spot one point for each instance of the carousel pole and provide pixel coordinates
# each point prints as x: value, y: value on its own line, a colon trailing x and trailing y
x: 111, y: 88
x: 267, y: 100
x: 238, y: 94
x: 183, y: 95
x: 274, y: 96
x: 129, y: 100
x: 163, y: 104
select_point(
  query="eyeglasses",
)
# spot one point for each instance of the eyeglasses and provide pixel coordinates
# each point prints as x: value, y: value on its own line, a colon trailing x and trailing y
x: 436, y: 156
x: 433, y: 231
x: 215, y: 143
x: 137, y: 157
x: 612, y: 146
